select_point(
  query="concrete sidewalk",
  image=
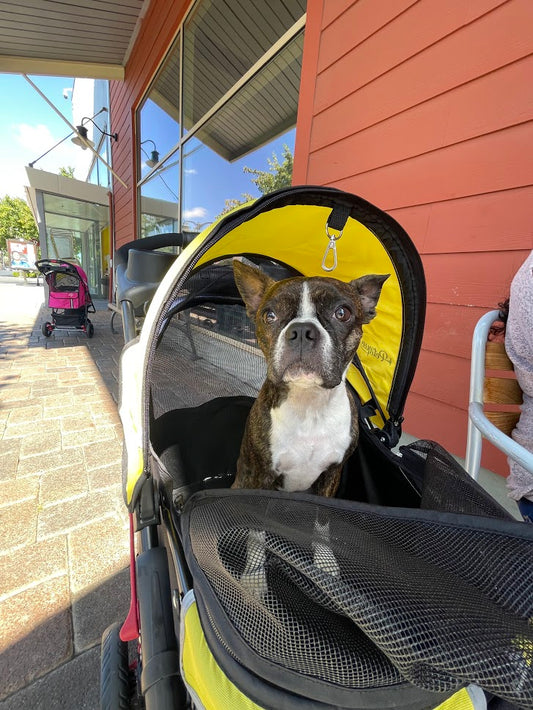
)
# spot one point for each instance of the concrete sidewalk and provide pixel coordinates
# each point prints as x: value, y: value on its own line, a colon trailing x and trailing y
x: 64, y: 546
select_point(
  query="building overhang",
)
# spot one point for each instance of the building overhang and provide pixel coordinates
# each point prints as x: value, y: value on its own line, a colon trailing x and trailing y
x: 69, y: 187
x: 60, y: 186
x: 68, y: 39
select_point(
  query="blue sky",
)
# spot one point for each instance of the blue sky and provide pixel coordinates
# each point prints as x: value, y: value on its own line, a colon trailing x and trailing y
x: 28, y: 127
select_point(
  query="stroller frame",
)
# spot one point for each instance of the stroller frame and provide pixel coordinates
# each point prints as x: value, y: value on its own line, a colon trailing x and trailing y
x: 167, y: 578
x: 69, y: 297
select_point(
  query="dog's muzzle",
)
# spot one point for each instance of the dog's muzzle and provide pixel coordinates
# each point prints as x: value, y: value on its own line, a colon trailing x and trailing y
x: 302, y: 336
x: 304, y: 353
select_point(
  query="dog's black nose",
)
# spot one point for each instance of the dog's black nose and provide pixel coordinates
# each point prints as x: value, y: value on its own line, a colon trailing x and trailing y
x: 302, y: 334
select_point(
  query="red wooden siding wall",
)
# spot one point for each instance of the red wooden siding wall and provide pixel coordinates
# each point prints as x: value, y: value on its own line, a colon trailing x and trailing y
x: 157, y: 31
x: 425, y: 108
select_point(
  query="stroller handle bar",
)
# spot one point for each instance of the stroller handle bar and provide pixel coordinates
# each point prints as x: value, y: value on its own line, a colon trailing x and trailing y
x: 47, y: 266
x: 139, y: 269
x: 157, y: 241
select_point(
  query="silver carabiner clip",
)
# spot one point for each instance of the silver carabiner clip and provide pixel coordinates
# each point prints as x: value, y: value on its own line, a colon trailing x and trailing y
x: 332, y: 246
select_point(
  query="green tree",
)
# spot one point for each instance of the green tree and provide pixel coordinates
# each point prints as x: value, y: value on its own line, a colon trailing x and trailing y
x: 277, y: 176
x: 16, y: 221
x: 67, y: 172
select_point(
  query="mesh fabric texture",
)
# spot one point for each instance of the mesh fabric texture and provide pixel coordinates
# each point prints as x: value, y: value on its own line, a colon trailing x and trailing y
x: 360, y: 596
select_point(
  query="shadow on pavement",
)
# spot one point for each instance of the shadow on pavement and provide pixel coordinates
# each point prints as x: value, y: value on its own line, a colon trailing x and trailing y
x: 63, y: 562
x: 57, y: 665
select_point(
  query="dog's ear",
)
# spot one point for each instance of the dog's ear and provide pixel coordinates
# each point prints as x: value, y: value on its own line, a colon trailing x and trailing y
x: 369, y: 289
x: 252, y: 284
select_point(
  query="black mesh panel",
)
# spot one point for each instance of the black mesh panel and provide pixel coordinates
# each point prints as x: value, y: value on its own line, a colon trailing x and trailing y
x: 359, y: 597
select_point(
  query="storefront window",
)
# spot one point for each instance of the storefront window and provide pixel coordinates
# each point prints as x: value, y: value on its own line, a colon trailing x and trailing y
x: 212, y: 185
x: 77, y: 230
x: 159, y: 117
x: 223, y: 39
x: 160, y: 199
x: 234, y: 73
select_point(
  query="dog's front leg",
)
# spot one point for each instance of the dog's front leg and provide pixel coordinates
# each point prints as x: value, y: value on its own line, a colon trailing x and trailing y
x: 323, y: 556
x: 253, y: 578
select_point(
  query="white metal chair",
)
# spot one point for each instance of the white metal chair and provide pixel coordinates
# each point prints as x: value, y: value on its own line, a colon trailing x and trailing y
x: 498, y: 389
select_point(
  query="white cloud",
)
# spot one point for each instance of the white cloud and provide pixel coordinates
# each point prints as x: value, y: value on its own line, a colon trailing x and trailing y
x: 195, y: 213
x: 12, y: 179
x: 27, y: 143
x: 33, y: 138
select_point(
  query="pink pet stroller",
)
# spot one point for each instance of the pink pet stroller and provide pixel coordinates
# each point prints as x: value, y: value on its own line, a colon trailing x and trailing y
x: 68, y: 297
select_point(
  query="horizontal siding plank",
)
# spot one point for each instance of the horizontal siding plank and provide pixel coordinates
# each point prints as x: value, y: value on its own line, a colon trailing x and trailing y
x: 410, y: 32
x: 444, y: 378
x: 356, y: 22
x: 427, y: 419
x: 449, y: 328
x: 498, y: 38
x: 498, y: 161
x: 330, y: 10
x: 499, y: 101
x: 475, y: 279
x: 486, y: 222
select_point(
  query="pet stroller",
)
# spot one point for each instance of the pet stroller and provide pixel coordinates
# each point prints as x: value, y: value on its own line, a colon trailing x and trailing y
x: 423, y: 595
x: 68, y: 297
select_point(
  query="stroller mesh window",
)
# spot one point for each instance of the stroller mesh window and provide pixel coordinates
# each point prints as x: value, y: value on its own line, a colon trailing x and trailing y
x: 205, y: 373
x: 65, y: 282
x: 437, y: 602
x: 206, y: 351
x: 206, y: 346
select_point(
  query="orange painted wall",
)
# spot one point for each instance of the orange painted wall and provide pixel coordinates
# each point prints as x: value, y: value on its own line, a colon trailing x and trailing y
x: 425, y: 109
x: 157, y: 31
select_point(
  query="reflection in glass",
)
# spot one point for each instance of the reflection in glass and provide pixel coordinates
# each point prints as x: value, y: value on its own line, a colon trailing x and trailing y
x: 244, y: 133
x: 78, y: 230
x: 222, y: 40
x: 211, y: 184
x: 263, y: 109
x: 159, y: 115
x: 159, y: 199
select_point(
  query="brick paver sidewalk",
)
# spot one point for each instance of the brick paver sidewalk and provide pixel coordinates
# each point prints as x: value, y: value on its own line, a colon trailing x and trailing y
x: 64, y: 543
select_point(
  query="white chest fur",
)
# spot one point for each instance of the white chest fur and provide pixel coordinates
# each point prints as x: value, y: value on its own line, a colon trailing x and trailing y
x: 311, y: 430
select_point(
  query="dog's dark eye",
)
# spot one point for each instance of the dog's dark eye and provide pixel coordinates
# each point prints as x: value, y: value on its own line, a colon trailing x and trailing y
x: 269, y: 316
x: 343, y: 314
